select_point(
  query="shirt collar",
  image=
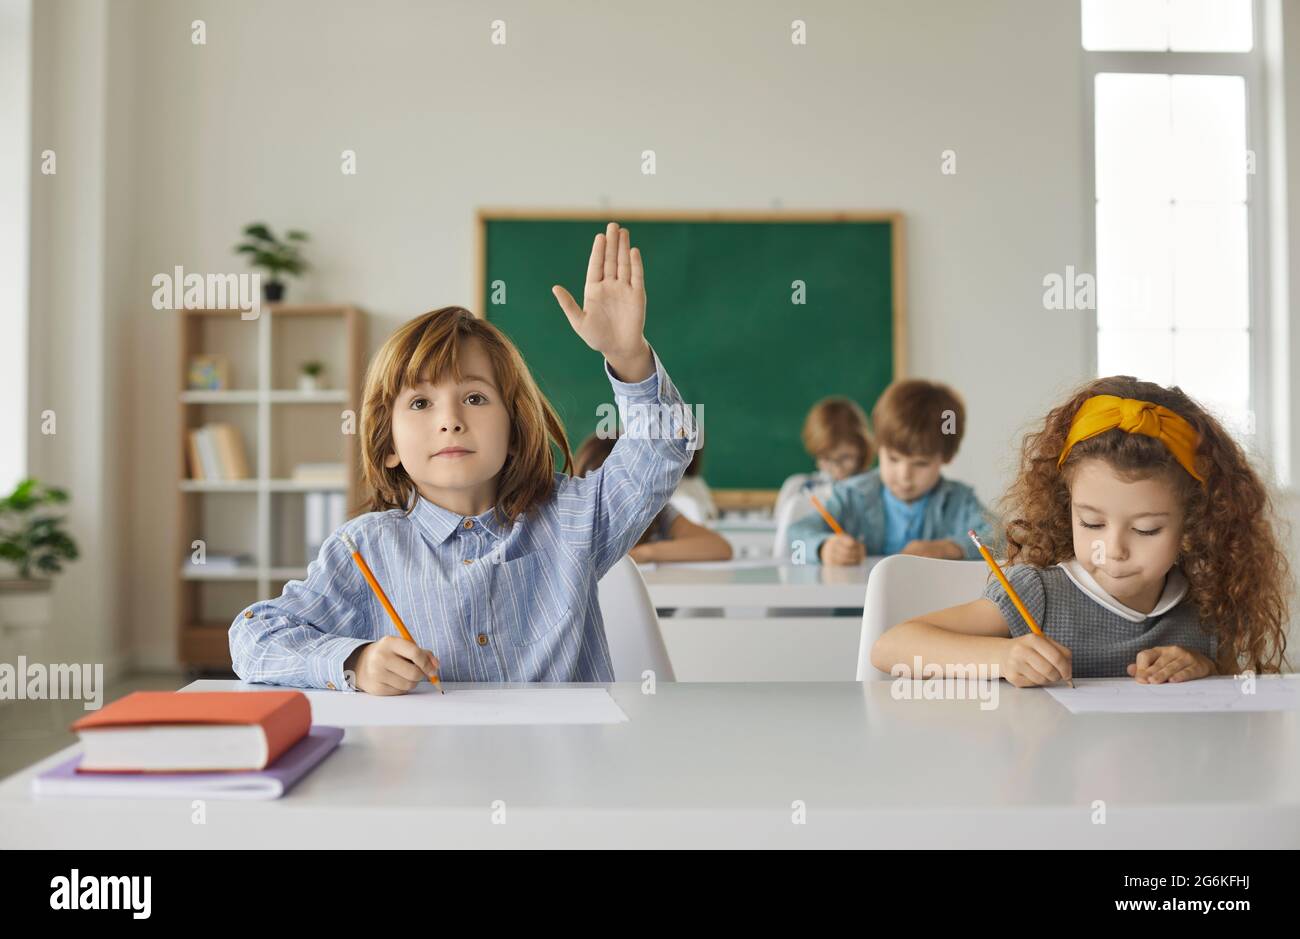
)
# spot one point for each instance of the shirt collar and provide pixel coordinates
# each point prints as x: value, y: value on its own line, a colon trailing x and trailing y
x: 1175, y: 589
x: 916, y: 506
x: 438, y: 524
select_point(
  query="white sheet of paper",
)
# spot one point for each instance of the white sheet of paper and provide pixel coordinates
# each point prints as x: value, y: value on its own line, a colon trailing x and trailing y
x: 425, y: 707
x: 1217, y: 693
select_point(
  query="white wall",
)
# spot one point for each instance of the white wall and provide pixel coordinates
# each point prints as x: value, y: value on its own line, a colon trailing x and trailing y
x: 203, y: 139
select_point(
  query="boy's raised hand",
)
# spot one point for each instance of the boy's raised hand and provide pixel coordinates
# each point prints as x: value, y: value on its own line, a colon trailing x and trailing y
x: 611, y: 319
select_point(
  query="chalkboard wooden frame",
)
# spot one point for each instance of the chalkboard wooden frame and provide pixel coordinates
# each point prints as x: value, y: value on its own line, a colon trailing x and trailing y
x: 725, y: 498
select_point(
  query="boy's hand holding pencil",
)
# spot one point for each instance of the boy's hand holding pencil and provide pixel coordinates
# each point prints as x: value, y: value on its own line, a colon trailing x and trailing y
x: 611, y: 319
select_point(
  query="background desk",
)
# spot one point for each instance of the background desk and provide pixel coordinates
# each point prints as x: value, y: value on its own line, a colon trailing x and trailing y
x: 778, y: 625
x: 703, y: 765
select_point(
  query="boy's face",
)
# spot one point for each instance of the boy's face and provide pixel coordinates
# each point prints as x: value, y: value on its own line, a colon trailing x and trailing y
x: 1126, y: 533
x: 908, y: 477
x: 452, y: 438
x: 840, y: 461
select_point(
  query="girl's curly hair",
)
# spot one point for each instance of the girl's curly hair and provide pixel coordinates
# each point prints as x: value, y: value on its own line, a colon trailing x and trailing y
x: 1239, y: 576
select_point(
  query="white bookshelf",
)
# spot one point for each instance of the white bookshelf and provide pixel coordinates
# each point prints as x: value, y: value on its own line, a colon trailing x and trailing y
x: 280, y: 426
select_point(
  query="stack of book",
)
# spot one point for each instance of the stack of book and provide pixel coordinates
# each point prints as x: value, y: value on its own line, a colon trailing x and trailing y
x: 324, y: 511
x: 198, y: 744
x: 216, y: 452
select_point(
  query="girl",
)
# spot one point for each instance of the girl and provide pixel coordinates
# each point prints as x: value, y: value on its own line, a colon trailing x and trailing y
x: 671, y: 536
x: 1141, y: 541
x: 490, y: 556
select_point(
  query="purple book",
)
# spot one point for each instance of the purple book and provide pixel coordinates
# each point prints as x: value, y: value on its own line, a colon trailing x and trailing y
x: 270, y: 783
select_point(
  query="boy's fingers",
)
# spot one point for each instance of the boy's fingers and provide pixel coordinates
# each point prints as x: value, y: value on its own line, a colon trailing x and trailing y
x: 624, y: 261
x: 596, y: 263
x: 400, y: 667
x: 638, y: 272
x: 568, y: 305
x: 611, y: 251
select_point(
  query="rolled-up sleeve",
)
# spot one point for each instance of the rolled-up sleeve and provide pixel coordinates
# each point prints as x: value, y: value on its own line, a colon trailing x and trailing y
x: 660, y: 436
x: 302, y: 638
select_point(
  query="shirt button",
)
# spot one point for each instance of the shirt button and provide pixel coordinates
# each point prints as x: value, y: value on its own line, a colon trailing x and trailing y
x: 482, y: 639
x: 468, y: 561
x: 248, y: 614
x: 329, y: 685
x: 469, y: 523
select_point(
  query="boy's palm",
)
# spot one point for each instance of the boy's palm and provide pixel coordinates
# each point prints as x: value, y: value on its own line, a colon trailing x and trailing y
x: 611, y: 319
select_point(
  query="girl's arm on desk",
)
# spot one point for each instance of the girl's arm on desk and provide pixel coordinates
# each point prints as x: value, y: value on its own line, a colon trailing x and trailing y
x: 686, y: 541
x: 971, y: 634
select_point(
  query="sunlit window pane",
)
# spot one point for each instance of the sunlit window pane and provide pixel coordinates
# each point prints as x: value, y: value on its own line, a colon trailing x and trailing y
x: 1213, y: 366
x: 1125, y: 24
x: 1209, y: 137
x: 1210, y: 26
x: 1134, y: 137
x: 1147, y: 354
x: 1164, y: 25
x: 1211, y: 266
x: 1134, y: 264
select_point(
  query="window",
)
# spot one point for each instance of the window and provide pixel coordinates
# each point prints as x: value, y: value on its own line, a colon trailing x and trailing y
x: 1179, y: 224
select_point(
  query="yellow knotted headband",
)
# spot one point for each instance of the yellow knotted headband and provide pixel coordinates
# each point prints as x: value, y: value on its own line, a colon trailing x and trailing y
x: 1101, y: 413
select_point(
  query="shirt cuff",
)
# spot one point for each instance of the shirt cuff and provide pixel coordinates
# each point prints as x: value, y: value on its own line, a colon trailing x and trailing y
x: 646, y: 389
x: 327, y: 662
x: 812, y: 546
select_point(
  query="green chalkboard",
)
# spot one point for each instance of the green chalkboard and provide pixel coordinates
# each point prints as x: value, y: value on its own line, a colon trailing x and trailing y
x: 722, y: 315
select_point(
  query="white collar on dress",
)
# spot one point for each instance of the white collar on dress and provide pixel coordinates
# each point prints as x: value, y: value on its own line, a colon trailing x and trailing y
x: 1175, y: 589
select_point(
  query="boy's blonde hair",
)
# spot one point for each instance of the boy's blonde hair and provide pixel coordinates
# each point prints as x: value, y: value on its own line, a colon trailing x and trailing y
x: 912, y: 417
x: 833, y: 421
x: 430, y: 347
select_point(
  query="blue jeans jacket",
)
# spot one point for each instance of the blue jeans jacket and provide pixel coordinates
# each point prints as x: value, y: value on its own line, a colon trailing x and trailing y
x: 857, y: 504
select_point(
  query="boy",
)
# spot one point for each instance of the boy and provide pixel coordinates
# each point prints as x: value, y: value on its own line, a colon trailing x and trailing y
x: 904, y: 506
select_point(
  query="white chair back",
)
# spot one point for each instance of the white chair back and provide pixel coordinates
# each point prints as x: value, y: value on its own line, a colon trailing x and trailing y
x: 631, y: 625
x: 903, y: 586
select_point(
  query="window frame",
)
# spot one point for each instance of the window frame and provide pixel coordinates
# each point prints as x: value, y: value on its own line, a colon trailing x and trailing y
x: 1250, y: 67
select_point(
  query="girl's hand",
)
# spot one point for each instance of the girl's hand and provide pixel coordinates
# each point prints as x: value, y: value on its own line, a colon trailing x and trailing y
x: 1170, y: 663
x: 390, y: 666
x: 1035, y: 660
x: 611, y: 319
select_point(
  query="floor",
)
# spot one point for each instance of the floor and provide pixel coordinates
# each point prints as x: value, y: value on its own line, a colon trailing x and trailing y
x: 32, y: 730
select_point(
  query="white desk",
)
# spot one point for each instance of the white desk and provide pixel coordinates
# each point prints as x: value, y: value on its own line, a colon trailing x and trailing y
x: 720, y: 766
x: 747, y: 585
x: 777, y: 625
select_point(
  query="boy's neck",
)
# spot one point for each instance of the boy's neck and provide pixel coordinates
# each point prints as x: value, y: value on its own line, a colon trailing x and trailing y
x: 469, y: 502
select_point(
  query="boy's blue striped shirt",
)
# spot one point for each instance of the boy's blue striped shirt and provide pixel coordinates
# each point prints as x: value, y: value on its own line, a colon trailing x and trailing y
x: 492, y: 602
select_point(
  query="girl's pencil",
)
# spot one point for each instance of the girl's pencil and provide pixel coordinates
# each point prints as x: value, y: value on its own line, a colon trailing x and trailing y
x: 383, y: 598
x: 1011, y: 591
x: 830, y: 519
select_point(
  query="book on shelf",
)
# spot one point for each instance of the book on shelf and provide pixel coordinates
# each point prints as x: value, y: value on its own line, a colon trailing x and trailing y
x: 324, y: 513
x: 325, y: 474
x: 216, y: 452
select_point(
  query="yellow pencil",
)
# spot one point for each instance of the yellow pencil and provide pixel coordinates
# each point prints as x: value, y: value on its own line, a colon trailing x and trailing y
x: 383, y: 598
x: 1011, y: 591
x: 830, y: 519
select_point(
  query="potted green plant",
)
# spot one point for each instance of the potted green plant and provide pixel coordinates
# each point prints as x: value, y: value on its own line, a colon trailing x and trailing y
x: 274, y: 256
x: 33, y: 547
x: 309, y: 376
